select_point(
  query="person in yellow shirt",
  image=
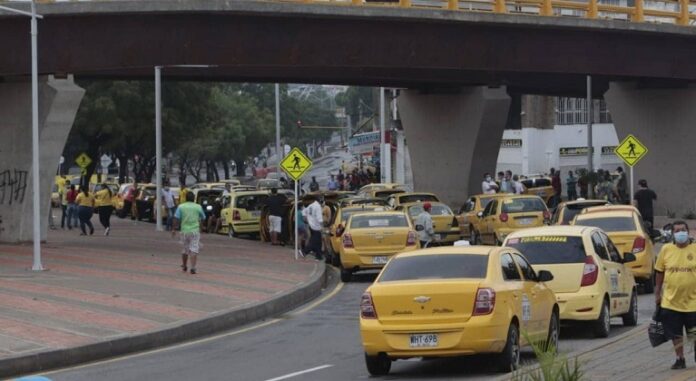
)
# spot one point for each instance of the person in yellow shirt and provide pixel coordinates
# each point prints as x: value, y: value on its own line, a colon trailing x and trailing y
x: 85, y: 209
x: 675, y: 289
x: 104, y: 207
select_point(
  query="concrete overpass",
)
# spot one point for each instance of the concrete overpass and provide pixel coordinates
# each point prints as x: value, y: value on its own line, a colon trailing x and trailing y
x: 460, y: 68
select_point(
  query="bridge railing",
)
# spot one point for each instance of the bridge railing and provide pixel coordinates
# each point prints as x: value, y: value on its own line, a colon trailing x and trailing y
x: 679, y: 12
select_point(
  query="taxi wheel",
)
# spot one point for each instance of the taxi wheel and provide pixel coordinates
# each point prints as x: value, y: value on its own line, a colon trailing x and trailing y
x: 603, y: 325
x: 346, y: 275
x: 335, y: 259
x: 231, y: 232
x: 379, y: 365
x: 630, y: 318
x: 509, y: 359
x: 551, y: 344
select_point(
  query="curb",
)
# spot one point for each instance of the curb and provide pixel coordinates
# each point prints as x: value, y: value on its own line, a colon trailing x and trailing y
x: 222, y: 321
x: 582, y: 354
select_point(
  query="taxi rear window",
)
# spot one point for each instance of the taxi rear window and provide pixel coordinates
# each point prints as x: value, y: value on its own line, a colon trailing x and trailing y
x: 521, y: 205
x: 417, y: 198
x: 435, y: 210
x: 347, y: 213
x: 550, y: 249
x: 378, y: 221
x: 611, y: 224
x: 442, y: 266
x: 251, y: 202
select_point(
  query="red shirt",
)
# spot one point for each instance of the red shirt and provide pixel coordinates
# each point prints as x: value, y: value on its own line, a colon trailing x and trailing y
x: 71, y: 196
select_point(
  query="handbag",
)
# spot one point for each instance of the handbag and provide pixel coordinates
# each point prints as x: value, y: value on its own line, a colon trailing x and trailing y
x: 656, y: 332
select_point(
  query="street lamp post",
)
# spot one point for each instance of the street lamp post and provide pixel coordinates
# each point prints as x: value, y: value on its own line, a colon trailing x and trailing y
x: 279, y: 157
x: 36, y: 199
x: 158, y: 136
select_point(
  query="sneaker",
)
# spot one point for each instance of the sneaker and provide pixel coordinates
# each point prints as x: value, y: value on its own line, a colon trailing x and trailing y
x: 193, y: 271
x: 679, y: 364
x: 106, y: 231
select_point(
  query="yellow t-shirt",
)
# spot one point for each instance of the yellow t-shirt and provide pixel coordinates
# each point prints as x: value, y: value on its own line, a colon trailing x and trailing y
x: 83, y: 200
x: 102, y: 198
x: 679, y: 267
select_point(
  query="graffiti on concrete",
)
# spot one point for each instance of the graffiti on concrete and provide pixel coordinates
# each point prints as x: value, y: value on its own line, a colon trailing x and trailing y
x: 13, y: 186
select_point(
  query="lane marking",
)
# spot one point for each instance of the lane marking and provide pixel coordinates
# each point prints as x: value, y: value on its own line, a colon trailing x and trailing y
x: 295, y: 374
x: 314, y: 304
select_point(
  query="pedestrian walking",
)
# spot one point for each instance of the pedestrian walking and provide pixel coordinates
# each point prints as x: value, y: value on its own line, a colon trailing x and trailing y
x: 622, y: 186
x: 187, y: 219
x: 70, y: 197
x: 489, y: 186
x: 314, y: 185
x: 424, y: 226
x: 332, y: 185
x: 571, y: 186
x: 169, y: 203
x: 63, y: 193
x: 129, y: 201
x: 313, y: 214
x: 102, y: 200
x: 517, y: 185
x: 301, y: 226
x: 85, y: 209
x: 674, y: 290
x: 643, y: 200
x: 215, y: 217
x: 557, y: 190
x: 275, y: 203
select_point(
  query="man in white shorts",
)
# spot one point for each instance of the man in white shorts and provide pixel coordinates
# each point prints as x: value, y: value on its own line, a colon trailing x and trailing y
x: 276, y: 205
x: 188, y: 219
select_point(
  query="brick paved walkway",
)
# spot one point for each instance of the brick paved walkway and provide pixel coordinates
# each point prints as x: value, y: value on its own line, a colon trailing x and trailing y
x: 100, y: 288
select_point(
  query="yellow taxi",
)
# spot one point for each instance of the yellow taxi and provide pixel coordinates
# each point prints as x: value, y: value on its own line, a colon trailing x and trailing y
x: 336, y: 226
x: 506, y: 214
x: 231, y: 182
x: 539, y: 186
x: 397, y: 199
x: 241, y: 212
x: 369, y: 188
x: 567, y: 210
x: 455, y: 301
x: 445, y: 224
x: 370, y: 239
x: 592, y: 281
x: 624, y: 225
x: 468, y: 215
x: 357, y: 200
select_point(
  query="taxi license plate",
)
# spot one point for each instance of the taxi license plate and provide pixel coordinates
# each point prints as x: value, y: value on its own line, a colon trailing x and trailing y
x: 437, y: 237
x: 256, y: 214
x: 381, y: 260
x: 525, y: 221
x: 423, y: 340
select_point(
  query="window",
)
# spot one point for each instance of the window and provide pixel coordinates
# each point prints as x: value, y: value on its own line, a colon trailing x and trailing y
x: 417, y: 198
x: 442, y: 266
x: 574, y: 110
x: 469, y: 206
x: 550, y: 249
x: 613, y: 251
x: 610, y: 224
x: 510, y: 271
x: 379, y: 221
x: 520, y: 205
x: 485, y: 201
x: 599, y: 247
x: 251, y: 202
x: 490, y: 208
x: 526, y: 269
x: 435, y: 210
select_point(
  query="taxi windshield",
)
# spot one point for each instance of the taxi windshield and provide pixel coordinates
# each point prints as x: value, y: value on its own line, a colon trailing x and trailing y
x: 610, y: 224
x: 379, y: 221
x: 435, y: 210
x: 442, y: 266
x: 550, y: 249
x: 519, y: 205
x: 347, y: 213
x: 417, y: 198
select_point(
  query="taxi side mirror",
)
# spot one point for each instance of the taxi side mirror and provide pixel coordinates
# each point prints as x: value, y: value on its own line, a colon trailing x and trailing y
x: 544, y: 276
x: 628, y: 257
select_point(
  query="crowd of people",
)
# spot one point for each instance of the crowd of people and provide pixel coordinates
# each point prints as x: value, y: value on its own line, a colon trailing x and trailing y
x: 78, y: 207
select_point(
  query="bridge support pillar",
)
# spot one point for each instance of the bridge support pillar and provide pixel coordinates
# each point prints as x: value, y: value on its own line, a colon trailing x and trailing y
x: 453, y: 139
x: 59, y: 100
x: 663, y: 120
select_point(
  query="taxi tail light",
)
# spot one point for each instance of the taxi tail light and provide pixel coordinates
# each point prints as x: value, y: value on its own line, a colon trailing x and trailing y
x: 590, y: 272
x: 236, y: 216
x: 638, y: 245
x: 485, y: 301
x: 348, y: 241
x: 503, y: 217
x: 367, y: 307
x: 339, y: 230
x: 411, y: 239
x: 455, y: 222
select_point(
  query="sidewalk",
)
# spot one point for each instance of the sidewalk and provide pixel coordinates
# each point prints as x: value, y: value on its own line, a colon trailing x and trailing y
x: 104, y: 296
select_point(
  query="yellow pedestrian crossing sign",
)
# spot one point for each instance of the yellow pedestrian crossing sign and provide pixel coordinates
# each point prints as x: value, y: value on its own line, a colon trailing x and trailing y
x: 631, y: 150
x: 295, y: 164
x: 83, y: 160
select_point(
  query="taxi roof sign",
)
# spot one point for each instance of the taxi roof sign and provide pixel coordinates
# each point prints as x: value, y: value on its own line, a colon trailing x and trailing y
x: 295, y: 164
x: 631, y: 150
x: 83, y: 160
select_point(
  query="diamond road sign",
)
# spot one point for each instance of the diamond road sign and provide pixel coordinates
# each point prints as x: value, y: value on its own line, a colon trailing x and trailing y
x: 631, y: 150
x: 296, y: 164
x: 83, y: 161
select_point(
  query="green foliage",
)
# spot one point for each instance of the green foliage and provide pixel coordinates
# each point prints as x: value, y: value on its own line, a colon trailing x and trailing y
x: 689, y: 215
x: 551, y: 366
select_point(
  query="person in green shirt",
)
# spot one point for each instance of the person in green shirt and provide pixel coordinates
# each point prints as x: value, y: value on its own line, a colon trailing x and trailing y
x: 188, y: 219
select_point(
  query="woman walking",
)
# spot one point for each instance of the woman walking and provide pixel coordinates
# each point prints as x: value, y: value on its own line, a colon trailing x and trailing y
x: 85, y: 205
x: 104, y: 207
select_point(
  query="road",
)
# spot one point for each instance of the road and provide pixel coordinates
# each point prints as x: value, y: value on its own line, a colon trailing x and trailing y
x: 319, y: 343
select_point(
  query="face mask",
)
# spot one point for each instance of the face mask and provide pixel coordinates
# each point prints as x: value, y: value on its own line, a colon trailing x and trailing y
x: 488, y: 178
x: 681, y: 237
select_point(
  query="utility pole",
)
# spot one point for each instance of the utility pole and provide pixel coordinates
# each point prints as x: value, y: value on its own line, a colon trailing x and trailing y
x: 590, y: 146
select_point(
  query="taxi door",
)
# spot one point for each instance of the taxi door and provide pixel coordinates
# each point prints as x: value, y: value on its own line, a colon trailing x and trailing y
x: 488, y: 222
x: 514, y: 283
x: 535, y: 306
x: 611, y: 273
x: 625, y: 286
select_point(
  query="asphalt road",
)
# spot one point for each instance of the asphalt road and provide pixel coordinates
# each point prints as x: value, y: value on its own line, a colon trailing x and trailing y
x: 321, y: 342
